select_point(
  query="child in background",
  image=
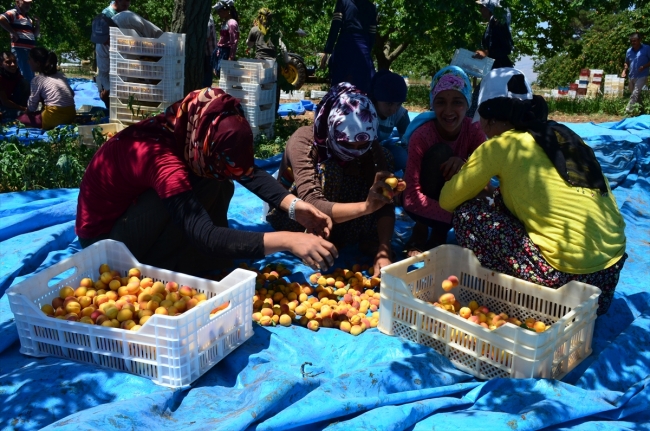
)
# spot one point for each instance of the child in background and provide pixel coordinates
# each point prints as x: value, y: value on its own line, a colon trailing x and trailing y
x: 52, y: 89
x: 14, y: 88
x: 388, y: 93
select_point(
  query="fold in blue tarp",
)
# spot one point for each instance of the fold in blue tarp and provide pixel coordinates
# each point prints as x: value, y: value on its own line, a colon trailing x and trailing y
x: 369, y: 382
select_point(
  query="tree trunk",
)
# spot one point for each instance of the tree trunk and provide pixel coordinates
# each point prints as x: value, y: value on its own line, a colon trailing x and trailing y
x: 383, y: 53
x: 191, y: 17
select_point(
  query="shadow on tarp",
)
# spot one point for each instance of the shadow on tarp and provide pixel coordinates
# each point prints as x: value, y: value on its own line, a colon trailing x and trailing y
x: 36, y: 392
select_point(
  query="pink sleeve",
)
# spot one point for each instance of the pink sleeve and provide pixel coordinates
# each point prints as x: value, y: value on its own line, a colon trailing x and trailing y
x: 233, y: 30
x: 414, y: 200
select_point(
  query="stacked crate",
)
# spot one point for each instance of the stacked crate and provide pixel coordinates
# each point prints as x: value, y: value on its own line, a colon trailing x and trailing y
x: 583, y: 82
x: 614, y: 86
x: 146, y: 74
x: 253, y: 83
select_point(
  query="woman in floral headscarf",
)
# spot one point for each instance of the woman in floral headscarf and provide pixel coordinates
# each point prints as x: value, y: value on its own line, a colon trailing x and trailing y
x: 439, y: 142
x: 163, y: 187
x: 339, y: 166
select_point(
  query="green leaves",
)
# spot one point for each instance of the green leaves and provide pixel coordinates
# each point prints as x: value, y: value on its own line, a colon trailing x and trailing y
x: 43, y: 165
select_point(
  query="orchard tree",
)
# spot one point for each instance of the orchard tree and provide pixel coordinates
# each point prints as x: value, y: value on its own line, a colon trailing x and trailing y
x: 191, y: 17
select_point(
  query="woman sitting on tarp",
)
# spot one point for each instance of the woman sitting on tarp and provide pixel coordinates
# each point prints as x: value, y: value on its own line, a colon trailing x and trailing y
x: 14, y: 88
x: 388, y: 93
x: 339, y: 166
x: 439, y: 142
x: 554, y: 218
x: 163, y: 187
x: 50, y: 88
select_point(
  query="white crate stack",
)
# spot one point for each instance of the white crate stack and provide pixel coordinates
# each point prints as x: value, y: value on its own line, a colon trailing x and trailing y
x: 614, y: 86
x: 253, y: 83
x: 150, y: 70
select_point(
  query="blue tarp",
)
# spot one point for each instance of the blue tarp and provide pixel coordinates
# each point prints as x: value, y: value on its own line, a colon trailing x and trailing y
x: 369, y: 382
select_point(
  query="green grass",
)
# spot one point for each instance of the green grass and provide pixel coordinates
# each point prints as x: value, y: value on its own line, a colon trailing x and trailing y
x: 283, y: 128
x: 418, y: 96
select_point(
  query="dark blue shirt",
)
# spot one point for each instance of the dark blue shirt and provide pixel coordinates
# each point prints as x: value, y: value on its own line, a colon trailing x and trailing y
x: 354, y: 16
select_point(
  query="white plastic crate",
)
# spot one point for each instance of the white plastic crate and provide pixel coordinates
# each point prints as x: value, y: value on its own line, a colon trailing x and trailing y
x: 128, y: 42
x: 119, y: 111
x: 165, y: 91
x: 249, y: 94
x: 170, y: 68
x: 508, y: 351
x: 250, y: 71
x: 86, y: 132
x: 294, y: 95
x: 172, y: 351
x: 259, y: 116
x: 472, y: 66
x: 316, y: 94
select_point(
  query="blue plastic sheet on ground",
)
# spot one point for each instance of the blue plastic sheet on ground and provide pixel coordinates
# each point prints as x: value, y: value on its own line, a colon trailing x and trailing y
x: 369, y: 382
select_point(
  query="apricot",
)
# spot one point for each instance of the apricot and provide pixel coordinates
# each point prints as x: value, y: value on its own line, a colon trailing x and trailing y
x: 473, y: 305
x: 57, y: 302
x: 180, y: 305
x: 146, y: 282
x: 257, y: 316
x: 127, y: 324
x: 100, y: 285
x: 47, y: 309
x: 310, y: 313
x: 101, y: 319
x: 73, y: 307
x: 171, y: 286
x: 80, y: 291
x: 86, y: 282
x: 201, y: 297
x: 539, y: 326
x: 465, y: 313
x: 447, y: 285
x: 285, y: 320
x: 161, y: 310
x: 447, y: 298
x: 88, y: 311
x: 87, y: 320
x: 111, y: 311
x: 135, y: 328
x: 144, y: 319
x: 108, y: 323
x: 313, y: 325
x: 530, y: 322
x: 124, y: 315
x: 454, y: 280
x: 106, y: 277
x: 267, y: 312
x: 104, y: 268
x: 266, y: 321
x: 66, y: 291
x: 191, y: 303
x: 355, y: 329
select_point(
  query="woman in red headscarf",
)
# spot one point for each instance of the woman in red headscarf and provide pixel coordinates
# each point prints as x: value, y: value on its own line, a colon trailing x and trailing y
x: 163, y: 187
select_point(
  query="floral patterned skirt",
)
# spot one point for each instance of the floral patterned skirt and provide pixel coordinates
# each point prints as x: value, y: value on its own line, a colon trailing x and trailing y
x: 501, y: 243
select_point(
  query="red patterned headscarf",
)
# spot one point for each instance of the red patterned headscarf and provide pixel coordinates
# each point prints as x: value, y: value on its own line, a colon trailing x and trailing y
x: 217, y: 139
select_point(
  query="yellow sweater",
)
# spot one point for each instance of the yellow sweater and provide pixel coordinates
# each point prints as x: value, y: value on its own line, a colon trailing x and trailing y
x: 577, y: 230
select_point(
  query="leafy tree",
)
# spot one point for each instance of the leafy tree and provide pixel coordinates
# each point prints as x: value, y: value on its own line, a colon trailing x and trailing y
x: 602, y: 43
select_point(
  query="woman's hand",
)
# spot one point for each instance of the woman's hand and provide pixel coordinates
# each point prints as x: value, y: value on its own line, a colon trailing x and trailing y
x: 382, y: 259
x: 317, y: 253
x: 314, y: 220
x: 380, y: 193
x: 480, y: 54
x: 451, y: 167
x: 323, y: 61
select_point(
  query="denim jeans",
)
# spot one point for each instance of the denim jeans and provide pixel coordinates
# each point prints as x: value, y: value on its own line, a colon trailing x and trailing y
x: 22, y: 54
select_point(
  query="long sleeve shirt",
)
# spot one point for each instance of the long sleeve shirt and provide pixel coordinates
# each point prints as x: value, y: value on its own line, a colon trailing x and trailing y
x: 578, y: 231
x: 355, y: 16
x: 426, y: 136
x: 229, y: 36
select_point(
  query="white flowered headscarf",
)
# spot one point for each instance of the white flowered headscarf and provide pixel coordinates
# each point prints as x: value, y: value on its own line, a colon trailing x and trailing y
x: 344, y: 115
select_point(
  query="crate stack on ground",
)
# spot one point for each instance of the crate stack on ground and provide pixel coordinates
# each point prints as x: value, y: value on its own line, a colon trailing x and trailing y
x: 614, y: 86
x: 146, y: 74
x: 253, y: 82
x: 595, y: 82
x: 583, y: 82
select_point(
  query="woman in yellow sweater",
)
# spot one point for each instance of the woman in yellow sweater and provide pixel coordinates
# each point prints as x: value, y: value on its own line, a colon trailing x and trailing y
x: 554, y: 218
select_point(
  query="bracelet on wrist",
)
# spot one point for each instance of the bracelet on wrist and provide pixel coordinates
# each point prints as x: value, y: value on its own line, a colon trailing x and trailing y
x: 292, y: 208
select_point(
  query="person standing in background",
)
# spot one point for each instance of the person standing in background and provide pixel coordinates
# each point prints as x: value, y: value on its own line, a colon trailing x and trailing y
x: 637, y: 61
x: 497, y: 39
x: 23, y: 31
x: 228, y: 34
x: 102, y: 46
x: 350, y: 41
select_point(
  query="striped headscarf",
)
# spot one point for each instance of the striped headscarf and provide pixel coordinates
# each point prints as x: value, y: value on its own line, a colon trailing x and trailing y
x: 217, y: 139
